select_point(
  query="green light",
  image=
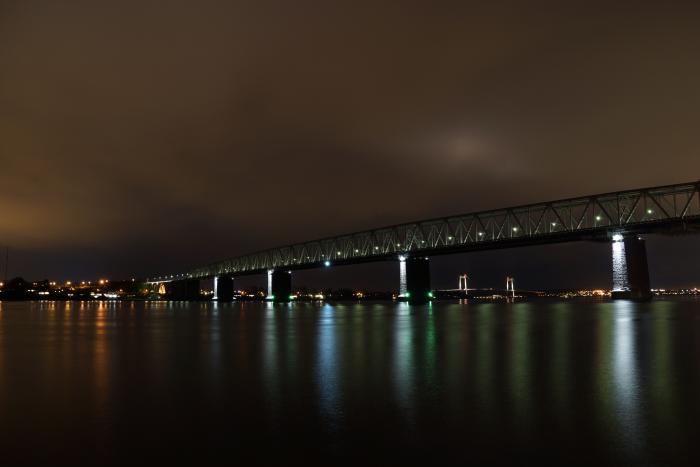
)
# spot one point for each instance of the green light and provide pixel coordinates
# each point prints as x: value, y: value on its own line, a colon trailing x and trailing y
x: 408, y: 294
x: 292, y: 297
x: 430, y: 295
x: 272, y: 297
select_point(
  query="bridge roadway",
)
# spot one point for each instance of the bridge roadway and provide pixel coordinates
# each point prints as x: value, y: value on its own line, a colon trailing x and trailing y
x: 620, y: 218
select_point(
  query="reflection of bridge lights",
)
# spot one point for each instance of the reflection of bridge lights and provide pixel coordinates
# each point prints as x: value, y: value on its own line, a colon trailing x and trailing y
x: 326, y: 263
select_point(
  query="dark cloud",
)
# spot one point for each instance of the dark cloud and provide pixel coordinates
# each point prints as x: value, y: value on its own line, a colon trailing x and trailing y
x: 139, y: 135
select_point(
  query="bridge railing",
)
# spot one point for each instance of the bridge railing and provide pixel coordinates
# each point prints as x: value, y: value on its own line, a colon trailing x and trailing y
x: 626, y: 210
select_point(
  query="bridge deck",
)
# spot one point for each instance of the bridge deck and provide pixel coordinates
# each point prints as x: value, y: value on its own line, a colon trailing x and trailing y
x: 671, y: 208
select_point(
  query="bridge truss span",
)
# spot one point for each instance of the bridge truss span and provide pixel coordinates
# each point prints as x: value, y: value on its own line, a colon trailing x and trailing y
x: 671, y: 208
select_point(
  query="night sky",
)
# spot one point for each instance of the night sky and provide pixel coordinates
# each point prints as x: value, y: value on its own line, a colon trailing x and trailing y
x: 139, y: 137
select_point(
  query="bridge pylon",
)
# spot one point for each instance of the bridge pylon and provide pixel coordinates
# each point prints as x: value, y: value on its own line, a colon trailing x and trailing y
x: 279, y: 285
x: 630, y: 268
x: 415, y: 279
x: 223, y: 288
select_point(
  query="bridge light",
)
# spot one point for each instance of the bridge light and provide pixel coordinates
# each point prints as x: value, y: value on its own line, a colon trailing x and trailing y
x: 598, y: 218
x: 481, y: 234
x: 398, y: 244
x: 326, y: 263
x: 402, y: 258
x: 515, y: 229
x: 554, y: 224
x: 617, y: 237
x: 356, y: 250
x: 650, y: 211
x: 408, y: 295
x: 450, y: 237
x: 376, y: 247
x: 292, y: 297
x: 430, y: 295
x: 338, y: 252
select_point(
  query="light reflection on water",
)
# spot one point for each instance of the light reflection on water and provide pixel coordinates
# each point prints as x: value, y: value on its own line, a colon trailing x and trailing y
x: 581, y: 382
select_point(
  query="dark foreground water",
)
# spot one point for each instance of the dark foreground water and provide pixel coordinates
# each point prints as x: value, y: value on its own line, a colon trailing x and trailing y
x: 576, y: 383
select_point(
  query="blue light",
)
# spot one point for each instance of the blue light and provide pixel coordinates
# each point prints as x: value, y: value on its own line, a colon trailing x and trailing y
x: 326, y: 263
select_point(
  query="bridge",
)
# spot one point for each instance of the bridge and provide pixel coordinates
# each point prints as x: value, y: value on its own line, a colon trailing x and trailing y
x: 620, y: 218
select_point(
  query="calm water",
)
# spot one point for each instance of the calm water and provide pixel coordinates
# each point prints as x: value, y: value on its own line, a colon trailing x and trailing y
x: 577, y: 383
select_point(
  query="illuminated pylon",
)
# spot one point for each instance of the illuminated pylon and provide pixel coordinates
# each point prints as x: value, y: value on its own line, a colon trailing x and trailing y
x: 463, y: 282
x: 510, y: 285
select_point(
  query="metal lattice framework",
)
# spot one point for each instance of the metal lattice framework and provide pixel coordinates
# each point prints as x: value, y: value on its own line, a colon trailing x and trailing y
x: 667, y: 208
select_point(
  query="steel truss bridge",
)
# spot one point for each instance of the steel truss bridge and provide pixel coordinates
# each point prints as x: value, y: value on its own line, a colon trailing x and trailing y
x: 664, y: 209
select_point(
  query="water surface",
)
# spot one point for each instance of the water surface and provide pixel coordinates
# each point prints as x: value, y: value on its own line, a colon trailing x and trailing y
x: 571, y: 382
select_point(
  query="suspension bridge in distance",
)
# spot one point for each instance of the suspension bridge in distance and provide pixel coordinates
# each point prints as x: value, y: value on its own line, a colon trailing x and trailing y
x: 619, y: 218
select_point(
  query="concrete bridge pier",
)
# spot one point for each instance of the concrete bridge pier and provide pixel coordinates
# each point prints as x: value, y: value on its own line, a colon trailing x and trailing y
x: 415, y: 279
x: 186, y: 289
x: 630, y: 268
x: 279, y: 285
x: 223, y: 288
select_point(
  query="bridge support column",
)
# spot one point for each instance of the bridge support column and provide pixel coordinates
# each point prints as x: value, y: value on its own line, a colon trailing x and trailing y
x: 630, y: 268
x: 187, y: 289
x: 223, y: 288
x: 279, y: 285
x: 415, y: 279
